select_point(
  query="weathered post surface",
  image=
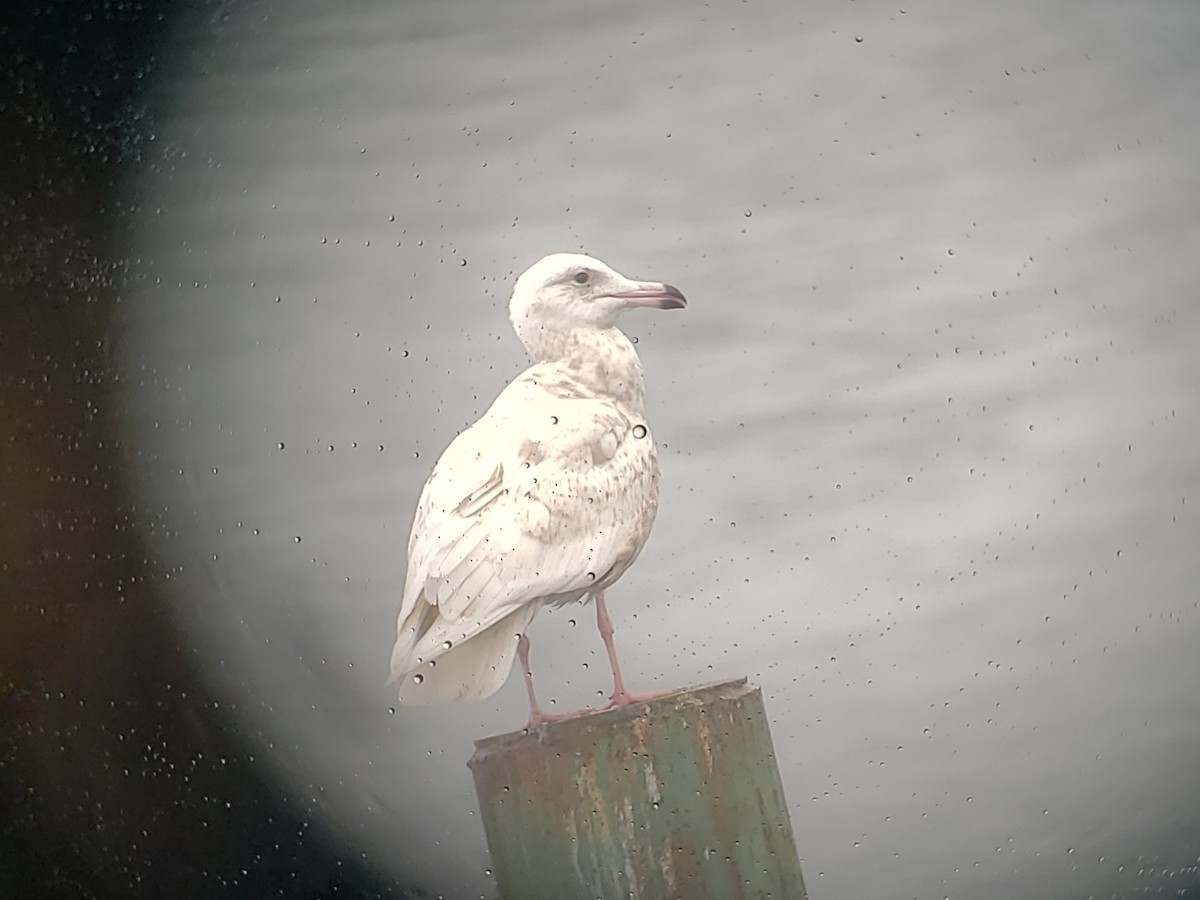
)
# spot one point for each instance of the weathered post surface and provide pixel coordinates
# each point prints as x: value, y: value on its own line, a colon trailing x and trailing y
x: 677, y: 797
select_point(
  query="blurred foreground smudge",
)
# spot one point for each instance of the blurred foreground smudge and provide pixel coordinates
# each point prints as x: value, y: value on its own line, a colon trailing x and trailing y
x: 119, y: 775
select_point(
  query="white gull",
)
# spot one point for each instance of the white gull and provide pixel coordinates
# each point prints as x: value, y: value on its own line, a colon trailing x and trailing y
x: 547, y: 499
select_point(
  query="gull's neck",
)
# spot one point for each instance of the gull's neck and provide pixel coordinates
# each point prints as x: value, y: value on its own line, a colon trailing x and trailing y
x: 603, y: 359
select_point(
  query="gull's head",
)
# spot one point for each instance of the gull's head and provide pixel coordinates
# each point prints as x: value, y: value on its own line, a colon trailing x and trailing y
x: 563, y: 292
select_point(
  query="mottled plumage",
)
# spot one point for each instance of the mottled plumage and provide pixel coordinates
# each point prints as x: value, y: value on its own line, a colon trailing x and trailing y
x: 547, y: 499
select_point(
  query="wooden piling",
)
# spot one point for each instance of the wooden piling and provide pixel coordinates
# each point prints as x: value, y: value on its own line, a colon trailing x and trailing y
x: 677, y: 797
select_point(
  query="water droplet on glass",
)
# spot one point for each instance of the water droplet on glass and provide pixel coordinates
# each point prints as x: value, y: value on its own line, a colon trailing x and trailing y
x: 298, y: 539
x: 591, y: 576
x: 418, y: 678
x: 554, y: 420
x: 446, y: 645
x: 639, y: 431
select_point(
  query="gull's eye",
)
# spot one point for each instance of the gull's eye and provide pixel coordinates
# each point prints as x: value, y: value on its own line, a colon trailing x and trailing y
x: 582, y: 277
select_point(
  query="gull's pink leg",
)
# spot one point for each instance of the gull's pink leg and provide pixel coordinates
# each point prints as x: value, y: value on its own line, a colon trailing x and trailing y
x: 620, y: 696
x: 536, y: 715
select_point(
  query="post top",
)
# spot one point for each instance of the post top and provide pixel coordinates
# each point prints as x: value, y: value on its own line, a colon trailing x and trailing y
x: 666, y: 705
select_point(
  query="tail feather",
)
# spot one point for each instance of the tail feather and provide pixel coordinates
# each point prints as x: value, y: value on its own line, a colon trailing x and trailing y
x: 471, y: 669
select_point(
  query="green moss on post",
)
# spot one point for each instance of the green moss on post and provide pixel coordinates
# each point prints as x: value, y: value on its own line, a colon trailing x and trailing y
x: 678, y: 797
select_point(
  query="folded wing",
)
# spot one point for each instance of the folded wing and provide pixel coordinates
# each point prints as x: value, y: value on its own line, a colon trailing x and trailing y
x: 547, y: 498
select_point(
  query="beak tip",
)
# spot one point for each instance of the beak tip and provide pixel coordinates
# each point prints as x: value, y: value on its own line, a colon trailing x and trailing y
x: 673, y: 297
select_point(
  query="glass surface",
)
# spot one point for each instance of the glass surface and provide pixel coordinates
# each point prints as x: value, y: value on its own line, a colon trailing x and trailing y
x: 927, y: 428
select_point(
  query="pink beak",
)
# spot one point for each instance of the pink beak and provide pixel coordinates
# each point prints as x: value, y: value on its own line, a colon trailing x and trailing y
x: 652, y: 295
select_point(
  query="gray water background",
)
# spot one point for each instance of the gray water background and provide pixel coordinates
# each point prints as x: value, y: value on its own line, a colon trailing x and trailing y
x: 928, y: 427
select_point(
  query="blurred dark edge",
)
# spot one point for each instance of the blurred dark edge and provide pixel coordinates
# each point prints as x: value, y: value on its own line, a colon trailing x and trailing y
x: 119, y: 774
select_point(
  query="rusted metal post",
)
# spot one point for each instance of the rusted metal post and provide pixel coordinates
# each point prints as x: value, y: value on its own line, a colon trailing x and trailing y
x: 678, y: 797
